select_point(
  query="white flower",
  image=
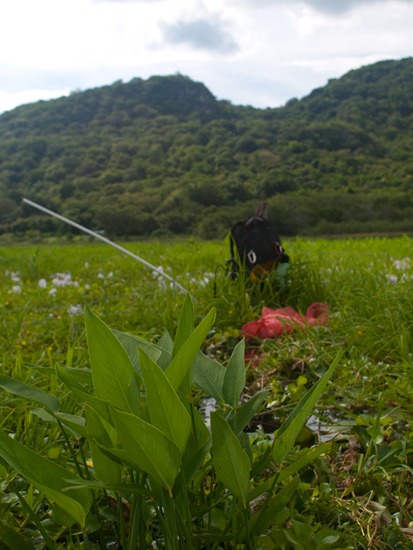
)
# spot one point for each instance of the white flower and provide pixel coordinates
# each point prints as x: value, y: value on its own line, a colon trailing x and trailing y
x: 16, y: 289
x: 75, y: 310
x: 402, y: 265
x: 63, y: 279
x: 392, y: 278
x: 52, y: 291
x: 42, y: 283
x: 14, y: 276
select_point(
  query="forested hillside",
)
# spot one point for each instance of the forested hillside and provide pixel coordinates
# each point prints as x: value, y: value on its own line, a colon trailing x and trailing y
x: 163, y: 156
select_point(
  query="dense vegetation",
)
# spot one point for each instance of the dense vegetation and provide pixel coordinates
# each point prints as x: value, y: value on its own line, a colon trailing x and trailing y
x: 343, y: 481
x: 163, y: 156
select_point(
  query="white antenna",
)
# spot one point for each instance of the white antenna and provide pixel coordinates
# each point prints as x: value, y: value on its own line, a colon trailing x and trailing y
x: 107, y: 241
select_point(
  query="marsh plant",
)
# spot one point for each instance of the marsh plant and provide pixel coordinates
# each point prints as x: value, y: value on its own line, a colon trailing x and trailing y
x: 138, y: 466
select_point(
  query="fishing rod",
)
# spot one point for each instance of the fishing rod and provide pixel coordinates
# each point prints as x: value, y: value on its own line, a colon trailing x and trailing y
x: 105, y: 240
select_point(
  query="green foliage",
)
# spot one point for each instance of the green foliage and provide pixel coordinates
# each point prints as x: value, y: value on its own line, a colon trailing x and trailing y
x: 348, y: 473
x: 162, y: 156
x: 145, y: 446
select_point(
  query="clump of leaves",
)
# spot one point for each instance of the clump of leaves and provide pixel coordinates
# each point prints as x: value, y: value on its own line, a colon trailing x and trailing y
x: 142, y: 465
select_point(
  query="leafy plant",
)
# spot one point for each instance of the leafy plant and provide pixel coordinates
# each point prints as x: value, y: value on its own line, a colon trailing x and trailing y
x: 142, y: 465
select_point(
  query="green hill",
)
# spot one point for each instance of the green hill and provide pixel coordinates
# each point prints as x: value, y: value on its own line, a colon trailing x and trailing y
x: 162, y: 155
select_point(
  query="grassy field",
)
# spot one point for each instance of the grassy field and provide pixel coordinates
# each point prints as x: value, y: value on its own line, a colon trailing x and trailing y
x: 355, y: 494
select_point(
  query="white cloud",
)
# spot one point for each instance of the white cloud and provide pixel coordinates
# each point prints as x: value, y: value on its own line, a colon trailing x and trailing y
x: 257, y: 52
x: 207, y: 34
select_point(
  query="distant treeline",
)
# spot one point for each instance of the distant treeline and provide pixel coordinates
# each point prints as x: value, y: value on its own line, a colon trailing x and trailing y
x: 162, y: 156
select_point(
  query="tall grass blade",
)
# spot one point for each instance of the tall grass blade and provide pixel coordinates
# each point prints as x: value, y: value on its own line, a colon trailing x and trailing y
x: 286, y: 436
x: 308, y: 457
x: 247, y: 411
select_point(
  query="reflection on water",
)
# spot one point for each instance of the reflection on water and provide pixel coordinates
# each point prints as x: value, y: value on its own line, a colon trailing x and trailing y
x: 317, y: 428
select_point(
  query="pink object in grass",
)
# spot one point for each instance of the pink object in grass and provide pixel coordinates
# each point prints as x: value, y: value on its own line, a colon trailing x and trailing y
x: 274, y: 322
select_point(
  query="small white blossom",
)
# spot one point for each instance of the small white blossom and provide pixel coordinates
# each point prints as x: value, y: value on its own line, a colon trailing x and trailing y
x: 392, y: 278
x: 64, y: 279
x: 402, y: 265
x: 42, y: 283
x: 61, y: 279
x: 53, y: 291
x: 75, y: 310
x: 16, y: 289
x: 14, y: 276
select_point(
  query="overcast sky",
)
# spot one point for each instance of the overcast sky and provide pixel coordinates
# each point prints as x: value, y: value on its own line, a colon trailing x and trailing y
x: 250, y: 52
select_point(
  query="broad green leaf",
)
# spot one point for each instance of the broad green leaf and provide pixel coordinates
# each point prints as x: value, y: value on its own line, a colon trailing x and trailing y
x: 132, y: 344
x: 166, y: 410
x: 182, y: 362
x: 326, y: 537
x: 193, y: 464
x: 76, y: 424
x: 68, y: 378
x: 209, y: 376
x: 71, y: 507
x: 83, y: 376
x: 247, y: 411
x: 185, y: 325
x: 72, y: 421
x: 234, y: 378
x: 231, y: 462
x: 112, y: 371
x: 199, y: 443
x: 32, y: 394
x: 48, y: 476
x: 107, y: 470
x: 286, y: 436
x: 101, y: 407
x: 166, y: 343
x: 147, y: 448
x: 14, y: 540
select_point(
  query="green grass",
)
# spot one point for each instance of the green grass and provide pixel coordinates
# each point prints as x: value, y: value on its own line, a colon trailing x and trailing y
x: 361, y: 487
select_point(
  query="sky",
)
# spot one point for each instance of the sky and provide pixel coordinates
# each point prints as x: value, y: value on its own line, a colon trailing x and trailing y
x: 250, y: 52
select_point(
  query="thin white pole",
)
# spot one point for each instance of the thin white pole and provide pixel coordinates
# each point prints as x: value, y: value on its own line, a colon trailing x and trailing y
x: 105, y: 240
